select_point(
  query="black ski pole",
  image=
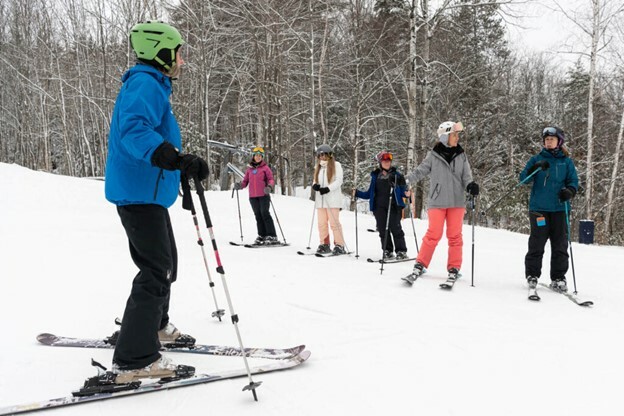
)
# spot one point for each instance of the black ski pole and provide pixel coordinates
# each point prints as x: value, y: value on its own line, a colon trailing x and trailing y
x: 498, y: 201
x: 200, y: 192
x: 385, y: 240
x: 570, y: 244
x: 472, y: 210
x: 187, y: 203
x: 277, y: 219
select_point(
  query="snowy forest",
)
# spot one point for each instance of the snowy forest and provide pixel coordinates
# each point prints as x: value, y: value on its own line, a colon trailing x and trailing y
x: 359, y: 75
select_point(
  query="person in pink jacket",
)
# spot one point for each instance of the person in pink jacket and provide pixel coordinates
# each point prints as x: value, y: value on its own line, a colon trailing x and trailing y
x: 260, y: 180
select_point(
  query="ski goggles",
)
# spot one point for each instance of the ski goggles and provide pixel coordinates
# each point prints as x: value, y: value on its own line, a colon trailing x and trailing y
x: 384, y: 156
x: 549, y: 131
x: 258, y: 151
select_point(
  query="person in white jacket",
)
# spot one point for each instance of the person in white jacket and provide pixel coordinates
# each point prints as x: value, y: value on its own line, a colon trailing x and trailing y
x: 328, y: 201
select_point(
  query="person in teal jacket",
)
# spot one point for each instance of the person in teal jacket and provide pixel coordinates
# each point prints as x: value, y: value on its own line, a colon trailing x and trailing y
x: 553, y: 186
x: 143, y: 171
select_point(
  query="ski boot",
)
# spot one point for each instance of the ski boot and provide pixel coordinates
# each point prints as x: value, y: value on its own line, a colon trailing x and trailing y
x: 559, y: 285
x: 388, y: 255
x: 418, y: 271
x: 323, y: 249
x: 401, y: 255
x: 338, y: 249
x: 171, y: 337
x: 271, y: 240
x: 259, y: 241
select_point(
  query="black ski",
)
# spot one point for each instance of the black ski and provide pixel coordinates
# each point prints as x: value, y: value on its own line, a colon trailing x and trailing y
x: 533, y: 294
x: 280, y: 244
x: 332, y: 254
x: 390, y: 261
x: 134, y: 388
x: 574, y: 298
x: 221, y: 350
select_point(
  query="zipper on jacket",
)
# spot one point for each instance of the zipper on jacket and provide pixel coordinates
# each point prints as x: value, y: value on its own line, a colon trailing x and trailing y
x: 161, y: 175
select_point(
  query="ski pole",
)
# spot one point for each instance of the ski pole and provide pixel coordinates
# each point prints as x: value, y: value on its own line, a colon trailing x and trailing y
x: 472, y: 210
x: 385, y: 240
x: 357, y: 255
x: 187, y: 203
x: 498, y: 201
x: 240, y: 221
x: 311, y: 225
x: 277, y: 218
x: 200, y: 192
x: 413, y: 227
x: 570, y: 244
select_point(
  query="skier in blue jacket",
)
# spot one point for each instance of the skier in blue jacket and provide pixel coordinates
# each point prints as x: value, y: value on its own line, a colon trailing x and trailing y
x: 553, y: 186
x: 386, y: 192
x: 143, y: 172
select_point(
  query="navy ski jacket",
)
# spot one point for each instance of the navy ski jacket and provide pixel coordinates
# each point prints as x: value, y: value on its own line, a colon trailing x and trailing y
x: 399, y: 192
x: 142, y: 120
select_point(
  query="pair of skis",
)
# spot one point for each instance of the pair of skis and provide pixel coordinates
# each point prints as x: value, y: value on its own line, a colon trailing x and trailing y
x: 534, y: 296
x: 253, y: 245
x: 281, y: 359
x: 331, y: 254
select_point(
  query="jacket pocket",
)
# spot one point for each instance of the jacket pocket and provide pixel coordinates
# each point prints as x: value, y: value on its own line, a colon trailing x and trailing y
x: 435, y: 192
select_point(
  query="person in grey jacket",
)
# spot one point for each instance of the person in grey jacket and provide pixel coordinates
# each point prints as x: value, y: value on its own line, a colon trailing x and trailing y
x: 450, y: 175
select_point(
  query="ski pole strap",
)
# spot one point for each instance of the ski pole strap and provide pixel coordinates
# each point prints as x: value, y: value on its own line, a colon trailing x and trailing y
x: 187, y: 199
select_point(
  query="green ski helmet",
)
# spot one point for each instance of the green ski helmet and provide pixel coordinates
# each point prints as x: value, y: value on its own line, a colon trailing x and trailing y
x: 156, y: 43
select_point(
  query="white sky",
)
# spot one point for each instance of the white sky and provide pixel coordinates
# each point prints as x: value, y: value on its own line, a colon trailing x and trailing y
x: 542, y: 27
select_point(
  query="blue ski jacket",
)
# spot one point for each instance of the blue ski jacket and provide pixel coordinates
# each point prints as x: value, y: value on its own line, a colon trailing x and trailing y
x: 142, y: 120
x: 547, y: 183
x: 399, y: 192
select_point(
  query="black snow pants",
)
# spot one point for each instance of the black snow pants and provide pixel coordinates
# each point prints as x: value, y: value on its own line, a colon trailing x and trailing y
x: 153, y: 250
x: 547, y: 226
x: 395, y: 231
x: 264, y: 221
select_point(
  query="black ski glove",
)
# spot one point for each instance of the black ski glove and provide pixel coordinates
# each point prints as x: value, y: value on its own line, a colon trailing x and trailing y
x: 567, y: 193
x: 540, y: 164
x: 169, y: 158
x: 316, y: 187
x: 324, y: 190
x: 268, y: 189
x: 237, y: 186
x: 473, y: 188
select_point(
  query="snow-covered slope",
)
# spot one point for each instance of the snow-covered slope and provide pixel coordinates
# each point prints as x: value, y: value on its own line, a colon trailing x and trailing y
x: 378, y: 347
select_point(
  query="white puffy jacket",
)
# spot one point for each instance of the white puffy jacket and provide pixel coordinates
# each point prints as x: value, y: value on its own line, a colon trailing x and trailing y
x: 332, y: 199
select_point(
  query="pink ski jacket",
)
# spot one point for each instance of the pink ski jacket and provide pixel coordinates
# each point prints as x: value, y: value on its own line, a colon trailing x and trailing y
x: 258, y: 178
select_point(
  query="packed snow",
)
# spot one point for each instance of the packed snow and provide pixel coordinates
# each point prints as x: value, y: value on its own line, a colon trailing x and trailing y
x: 378, y: 346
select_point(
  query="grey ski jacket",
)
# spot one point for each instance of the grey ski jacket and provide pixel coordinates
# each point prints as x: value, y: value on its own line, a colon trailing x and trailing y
x: 448, y: 181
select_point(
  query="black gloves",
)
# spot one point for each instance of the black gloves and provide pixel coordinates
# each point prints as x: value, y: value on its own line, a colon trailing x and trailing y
x: 324, y: 190
x: 169, y: 158
x: 268, y: 189
x: 316, y: 187
x: 567, y: 193
x: 237, y: 186
x: 473, y: 188
x: 540, y: 164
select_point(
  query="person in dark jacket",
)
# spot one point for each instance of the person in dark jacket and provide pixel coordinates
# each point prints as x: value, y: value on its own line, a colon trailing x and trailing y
x: 259, y: 178
x: 142, y: 179
x: 385, y: 193
x: 553, y: 186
